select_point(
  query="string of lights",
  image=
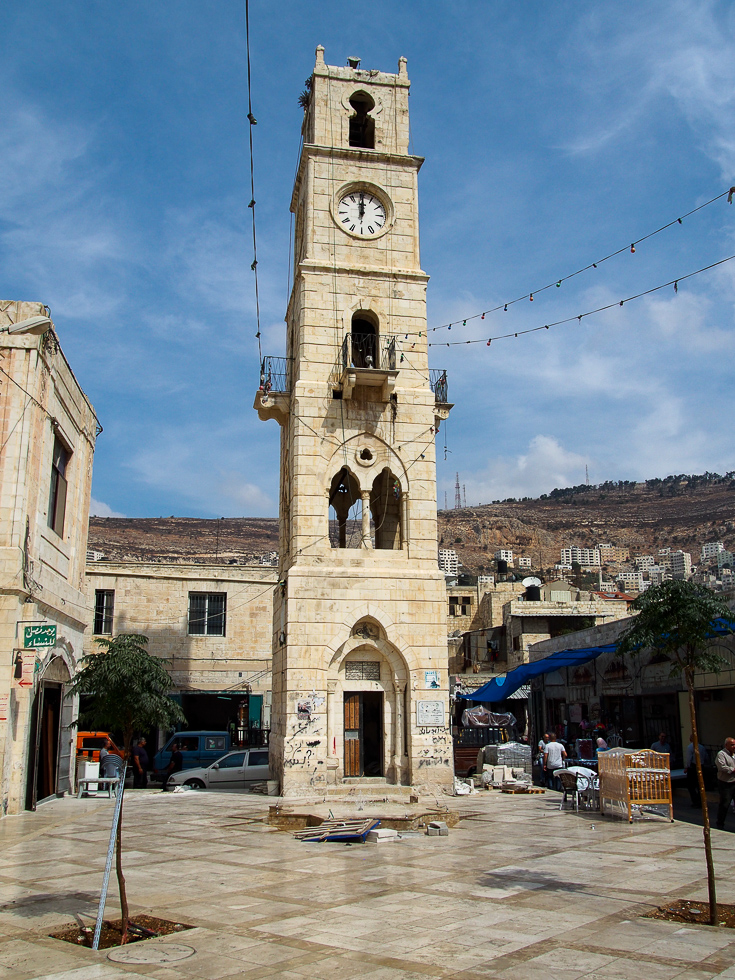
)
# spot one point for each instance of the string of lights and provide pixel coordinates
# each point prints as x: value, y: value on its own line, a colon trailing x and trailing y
x: 530, y: 296
x: 253, y: 122
x: 580, y: 316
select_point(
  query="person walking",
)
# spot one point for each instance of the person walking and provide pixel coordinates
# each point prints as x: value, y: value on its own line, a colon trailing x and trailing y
x: 140, y: 765
x: 554, y: 756
x: 725, y: 763
x: 175, y: 765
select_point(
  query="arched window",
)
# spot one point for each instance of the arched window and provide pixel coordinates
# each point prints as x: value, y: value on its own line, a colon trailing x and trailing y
x: 385, y: 509
x: 362, y: 125
x: 345, y: 511
x: 364, y: 341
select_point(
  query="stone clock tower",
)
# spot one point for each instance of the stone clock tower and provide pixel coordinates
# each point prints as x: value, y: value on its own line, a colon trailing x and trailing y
x: 360, y: 680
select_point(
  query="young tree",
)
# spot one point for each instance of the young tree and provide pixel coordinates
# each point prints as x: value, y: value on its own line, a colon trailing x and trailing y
x: 127, y: 690
x: 681, y: 619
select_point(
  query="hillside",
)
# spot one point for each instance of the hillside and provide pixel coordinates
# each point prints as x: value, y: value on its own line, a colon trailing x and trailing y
x: 679, y: 512
x: 239, y: 540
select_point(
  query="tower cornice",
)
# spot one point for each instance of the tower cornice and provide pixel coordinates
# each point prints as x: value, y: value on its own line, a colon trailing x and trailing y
x: 352, y: 155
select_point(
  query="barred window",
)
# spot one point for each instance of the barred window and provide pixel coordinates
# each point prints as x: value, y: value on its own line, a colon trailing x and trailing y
x: 207, y: 613
x: 104, y: 608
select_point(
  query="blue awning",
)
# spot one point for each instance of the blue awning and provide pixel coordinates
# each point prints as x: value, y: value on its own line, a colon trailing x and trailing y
x: 498, y: 689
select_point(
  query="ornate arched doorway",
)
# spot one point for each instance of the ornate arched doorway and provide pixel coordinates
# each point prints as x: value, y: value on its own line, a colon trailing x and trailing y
x: 50, y: 749
x: 366, y: 708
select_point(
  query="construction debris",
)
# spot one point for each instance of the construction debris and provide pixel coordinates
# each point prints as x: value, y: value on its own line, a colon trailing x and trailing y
x: 338, y: 830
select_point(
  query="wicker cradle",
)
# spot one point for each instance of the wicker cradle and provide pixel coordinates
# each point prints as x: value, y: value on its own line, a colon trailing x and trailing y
x: 633, y: 778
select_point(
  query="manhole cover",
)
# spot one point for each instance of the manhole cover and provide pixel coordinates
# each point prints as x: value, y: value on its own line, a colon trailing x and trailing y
x: 151, y: 953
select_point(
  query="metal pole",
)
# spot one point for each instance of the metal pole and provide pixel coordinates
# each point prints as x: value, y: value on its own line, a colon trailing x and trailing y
x: 108, y: 863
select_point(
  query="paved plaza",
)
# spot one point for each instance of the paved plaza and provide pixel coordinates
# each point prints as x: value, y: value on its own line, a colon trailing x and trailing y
x: 517, y: 891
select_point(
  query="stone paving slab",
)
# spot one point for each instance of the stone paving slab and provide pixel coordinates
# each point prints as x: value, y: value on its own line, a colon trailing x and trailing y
x: 519, y: 890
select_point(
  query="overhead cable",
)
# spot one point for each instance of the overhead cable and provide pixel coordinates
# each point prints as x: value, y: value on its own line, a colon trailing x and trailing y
x: 580, y: 316
x: 631, y: 247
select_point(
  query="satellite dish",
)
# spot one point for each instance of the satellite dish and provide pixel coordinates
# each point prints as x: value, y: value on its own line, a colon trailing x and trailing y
x: 531, y: 580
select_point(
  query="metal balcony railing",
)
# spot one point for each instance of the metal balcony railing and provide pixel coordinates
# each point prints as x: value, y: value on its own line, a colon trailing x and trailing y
x: 439, y: 385
x: 275, y: 374
x: 365, y: 351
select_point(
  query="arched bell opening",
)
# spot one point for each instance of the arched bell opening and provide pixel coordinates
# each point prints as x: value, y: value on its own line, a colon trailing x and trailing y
x: 362, y: 125
x: 385, y: 510
x: 345, y: 511
x: 364, y: 347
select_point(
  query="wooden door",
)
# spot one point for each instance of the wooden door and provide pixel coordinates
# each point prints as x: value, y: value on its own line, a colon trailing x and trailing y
x: 352, y: 734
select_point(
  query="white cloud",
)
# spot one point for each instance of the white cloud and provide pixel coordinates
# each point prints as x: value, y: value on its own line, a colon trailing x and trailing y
x: 99, y: 509
x: 680, y: 52
x: 545, y: 465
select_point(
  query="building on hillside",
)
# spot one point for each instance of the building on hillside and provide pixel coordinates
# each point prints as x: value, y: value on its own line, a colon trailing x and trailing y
x: 630, y: 580
x: 48, y: 431
x: 448, y: 561
x: 586, y: 557
x: 612, y: 555
x: 524, y: 561
x: 724, y: 560
x: 644, y: 562
x: 680, y: 564
x: 211, y: 622
x: 711, y: 549
x: 504, y: 554
x: 359, y: 656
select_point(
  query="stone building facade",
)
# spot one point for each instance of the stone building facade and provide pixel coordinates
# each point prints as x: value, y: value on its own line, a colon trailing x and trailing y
x: 359, y: 655
x: 211, y: 622
x: 47, y: 430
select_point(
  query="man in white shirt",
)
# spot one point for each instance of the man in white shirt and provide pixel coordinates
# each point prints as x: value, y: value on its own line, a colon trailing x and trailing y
x: 725, y: 762
x: 553, y: 759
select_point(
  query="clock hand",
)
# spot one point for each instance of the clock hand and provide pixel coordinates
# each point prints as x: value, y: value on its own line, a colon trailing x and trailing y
x: 362, y: 206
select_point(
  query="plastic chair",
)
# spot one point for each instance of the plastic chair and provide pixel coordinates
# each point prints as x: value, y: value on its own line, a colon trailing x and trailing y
x: 569, y: 785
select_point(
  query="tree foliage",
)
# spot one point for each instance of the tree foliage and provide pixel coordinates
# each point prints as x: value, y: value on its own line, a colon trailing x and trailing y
x: 680, y: 619
x: 127, y: 688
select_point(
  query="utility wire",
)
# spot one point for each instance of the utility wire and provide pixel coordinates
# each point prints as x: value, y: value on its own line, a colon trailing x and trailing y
x: 592, y: 265
x: 579, y: 316
x: 253, y: 122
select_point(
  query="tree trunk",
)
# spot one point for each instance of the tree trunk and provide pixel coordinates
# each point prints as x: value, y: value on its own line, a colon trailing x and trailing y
x: 689, y: 677
x: 118, y: 849
x: 121, y: 877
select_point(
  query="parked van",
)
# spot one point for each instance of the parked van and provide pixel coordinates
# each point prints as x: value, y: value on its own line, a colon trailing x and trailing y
x: 90, y: 743
x: 197, y: 748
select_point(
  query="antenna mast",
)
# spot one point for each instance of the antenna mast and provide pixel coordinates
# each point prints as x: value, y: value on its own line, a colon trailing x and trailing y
x: 457, y: 495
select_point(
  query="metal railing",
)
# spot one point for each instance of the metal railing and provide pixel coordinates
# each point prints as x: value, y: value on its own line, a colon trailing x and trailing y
x: 361, y: 350
x: 439, y: 385
x: 275, y: 374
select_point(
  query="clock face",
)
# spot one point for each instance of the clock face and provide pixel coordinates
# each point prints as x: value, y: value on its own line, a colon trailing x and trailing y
x: 361, y: 213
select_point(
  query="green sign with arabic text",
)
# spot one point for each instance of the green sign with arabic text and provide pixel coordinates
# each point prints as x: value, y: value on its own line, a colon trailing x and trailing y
x: 39, y: 636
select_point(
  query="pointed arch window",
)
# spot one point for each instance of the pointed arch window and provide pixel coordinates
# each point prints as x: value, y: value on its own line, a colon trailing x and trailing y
x: 362, y: 125
x: 345, y: 511
x: 385, y: 510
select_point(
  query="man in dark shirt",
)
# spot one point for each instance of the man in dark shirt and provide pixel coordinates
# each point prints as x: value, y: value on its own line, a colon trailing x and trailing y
x: 140, y: 765
x: 175, y: 765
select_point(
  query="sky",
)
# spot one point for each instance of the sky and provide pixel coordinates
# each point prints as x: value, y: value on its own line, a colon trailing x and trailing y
x: 553, y: 135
